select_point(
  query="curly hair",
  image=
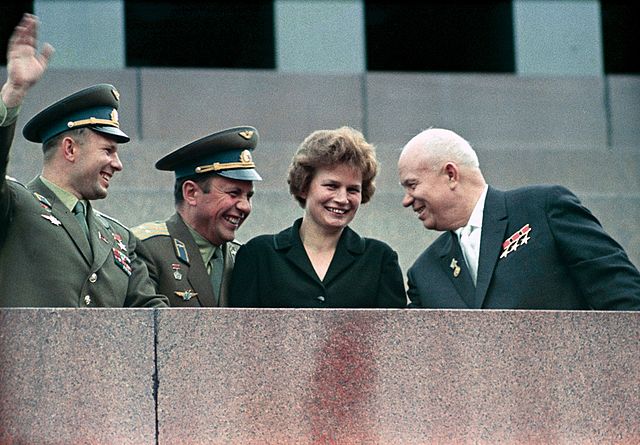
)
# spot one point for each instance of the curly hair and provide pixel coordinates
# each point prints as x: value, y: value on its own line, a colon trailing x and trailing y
x: 327, y: 148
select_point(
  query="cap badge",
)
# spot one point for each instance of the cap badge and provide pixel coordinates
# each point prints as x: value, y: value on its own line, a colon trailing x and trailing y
x: 245, y: 157
x: 114, y: 115
x: 247, y: 134
x: 115, y: 93
x: 246, y: 161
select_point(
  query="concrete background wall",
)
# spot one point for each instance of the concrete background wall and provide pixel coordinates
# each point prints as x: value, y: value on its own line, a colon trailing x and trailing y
x: 581, y: 132
x: 251, y: 376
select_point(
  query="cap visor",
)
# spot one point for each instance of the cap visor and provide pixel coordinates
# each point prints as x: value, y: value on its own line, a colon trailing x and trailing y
x: 113, y: 132
x: 244, y: 174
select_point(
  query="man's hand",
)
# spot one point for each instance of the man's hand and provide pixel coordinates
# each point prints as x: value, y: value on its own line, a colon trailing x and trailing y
x: 25, y: 65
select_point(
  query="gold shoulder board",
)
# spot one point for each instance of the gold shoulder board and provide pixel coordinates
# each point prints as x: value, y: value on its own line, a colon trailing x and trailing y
x: 150, y: 229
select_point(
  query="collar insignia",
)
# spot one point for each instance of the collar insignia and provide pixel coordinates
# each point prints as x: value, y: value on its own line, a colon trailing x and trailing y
x: 44, y: 202
x: 181, y: 250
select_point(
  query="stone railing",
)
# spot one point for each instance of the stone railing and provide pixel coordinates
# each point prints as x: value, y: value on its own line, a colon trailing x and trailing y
x: 251, y: 376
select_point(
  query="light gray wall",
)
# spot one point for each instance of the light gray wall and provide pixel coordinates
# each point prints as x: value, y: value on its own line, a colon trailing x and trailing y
x: 320, y: 36
x: 88, y: 34
x: 558, y: 37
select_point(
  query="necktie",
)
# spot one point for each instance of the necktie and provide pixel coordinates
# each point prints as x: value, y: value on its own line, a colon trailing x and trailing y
x: 80, y: 212
x: 470, y: 244
x: 217, y: 265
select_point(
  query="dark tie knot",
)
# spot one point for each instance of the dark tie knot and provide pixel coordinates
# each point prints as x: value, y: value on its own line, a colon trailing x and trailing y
x: 79, y: 209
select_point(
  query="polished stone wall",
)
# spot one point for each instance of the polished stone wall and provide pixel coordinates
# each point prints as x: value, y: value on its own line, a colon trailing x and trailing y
x: 251, y: 376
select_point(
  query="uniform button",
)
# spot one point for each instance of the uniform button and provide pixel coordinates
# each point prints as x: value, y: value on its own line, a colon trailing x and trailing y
x: 93, y: 278
x: 87, y: 300
x: 320, y: 298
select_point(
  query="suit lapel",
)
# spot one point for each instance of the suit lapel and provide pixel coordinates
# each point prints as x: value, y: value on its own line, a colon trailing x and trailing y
x: 196, y: 270
x: 64, y: 215
x: 494, y: 225
x: 349, y: 247
x: 289, y: 241
x: 451, y: 257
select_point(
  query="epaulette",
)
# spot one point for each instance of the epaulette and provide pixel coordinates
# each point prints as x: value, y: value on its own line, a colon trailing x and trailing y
x: 150, y: 229
x: 14, y: 180
x: 107, y: 219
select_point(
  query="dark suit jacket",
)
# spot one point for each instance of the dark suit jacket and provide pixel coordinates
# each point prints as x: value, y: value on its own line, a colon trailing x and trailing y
x: 275, y: 271
x: 179, y: 273
x: 46, y: 259
x: 540, y: 249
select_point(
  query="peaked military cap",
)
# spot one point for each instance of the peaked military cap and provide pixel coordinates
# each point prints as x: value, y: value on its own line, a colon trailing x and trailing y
x: 226, y: 153
x: 95, y: 107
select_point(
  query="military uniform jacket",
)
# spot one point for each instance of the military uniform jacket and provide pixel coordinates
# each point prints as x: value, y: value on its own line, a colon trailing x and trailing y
x: 46, y: 259
x: 540, y: 248
x: 176, y: 266
x: 275, y: 271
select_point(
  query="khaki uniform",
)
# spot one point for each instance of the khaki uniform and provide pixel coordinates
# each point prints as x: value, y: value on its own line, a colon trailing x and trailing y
x: 46, y: 259
x: 176, y: 266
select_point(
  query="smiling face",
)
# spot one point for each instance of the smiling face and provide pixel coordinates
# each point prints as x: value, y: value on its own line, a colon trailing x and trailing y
x: 95, y: 163
x: 427, y: 190
x: 333, y: 197
x: 217, y: 209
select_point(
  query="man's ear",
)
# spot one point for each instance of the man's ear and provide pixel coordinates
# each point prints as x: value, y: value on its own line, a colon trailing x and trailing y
x: 453, y: 174
x: 69, y: 149
x: 190, y: 190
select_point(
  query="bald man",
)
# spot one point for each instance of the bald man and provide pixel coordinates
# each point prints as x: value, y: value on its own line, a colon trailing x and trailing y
x: 534, y: 247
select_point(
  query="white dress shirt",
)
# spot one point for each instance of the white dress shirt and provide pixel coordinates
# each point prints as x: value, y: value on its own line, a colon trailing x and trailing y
x: 469, y: 236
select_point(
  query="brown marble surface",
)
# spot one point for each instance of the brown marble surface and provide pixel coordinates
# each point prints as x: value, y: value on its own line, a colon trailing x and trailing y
x: 248, y: 376
x: 77, y: 376
x: 398, y: 377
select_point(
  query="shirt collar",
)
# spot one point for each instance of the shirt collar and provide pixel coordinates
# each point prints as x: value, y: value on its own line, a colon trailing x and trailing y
x: 67, y: 198
x: 475, y: 219
x: 204, y: 246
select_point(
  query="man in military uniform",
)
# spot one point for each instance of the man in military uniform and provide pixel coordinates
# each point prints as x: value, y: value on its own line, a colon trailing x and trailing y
x: 55, y: 249
x: 190, y: 256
